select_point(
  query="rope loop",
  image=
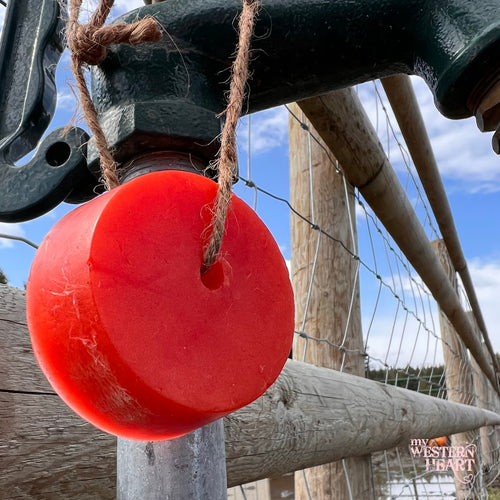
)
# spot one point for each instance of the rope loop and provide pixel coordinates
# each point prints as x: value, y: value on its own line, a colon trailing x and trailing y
x: 227, y: 161
x: 88, y: 44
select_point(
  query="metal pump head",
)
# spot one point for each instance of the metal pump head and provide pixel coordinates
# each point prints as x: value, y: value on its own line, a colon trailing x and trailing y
x: 166, y: 95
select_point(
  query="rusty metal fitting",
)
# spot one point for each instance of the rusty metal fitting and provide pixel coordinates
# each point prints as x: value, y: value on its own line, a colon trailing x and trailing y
x: 488, y: 111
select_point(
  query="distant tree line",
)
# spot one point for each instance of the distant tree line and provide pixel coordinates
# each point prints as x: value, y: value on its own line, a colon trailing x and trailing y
x: 3, y: 278
x: 428, y: 380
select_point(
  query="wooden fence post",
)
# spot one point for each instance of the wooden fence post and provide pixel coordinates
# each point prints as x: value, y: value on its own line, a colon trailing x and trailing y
x: 459, y: 383
x: 328, y: 306
x: 192, y: 467
x: 310, y: 416
x: 485, y: 398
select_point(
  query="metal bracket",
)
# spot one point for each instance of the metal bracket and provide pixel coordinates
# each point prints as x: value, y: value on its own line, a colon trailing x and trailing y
x: 30, y: 48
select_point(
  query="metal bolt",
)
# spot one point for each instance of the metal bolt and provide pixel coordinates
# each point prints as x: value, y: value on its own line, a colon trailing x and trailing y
x: 495, y: 142
x: 488, y: 111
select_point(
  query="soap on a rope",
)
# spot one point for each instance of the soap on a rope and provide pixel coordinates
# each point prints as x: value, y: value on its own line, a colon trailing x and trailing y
x: 128, y: 331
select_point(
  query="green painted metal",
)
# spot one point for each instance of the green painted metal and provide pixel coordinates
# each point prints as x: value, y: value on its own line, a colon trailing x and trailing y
x: 31, y: 44
x: 167, y: 94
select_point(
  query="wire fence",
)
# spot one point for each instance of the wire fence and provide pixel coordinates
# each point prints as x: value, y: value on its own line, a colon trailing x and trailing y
x: 403, y: 343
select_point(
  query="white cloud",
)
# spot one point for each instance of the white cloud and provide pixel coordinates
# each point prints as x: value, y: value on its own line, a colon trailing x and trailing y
x: 486, y: 277
x: 12, y: 230
x: 397, y: 336
x: 288, y: 263
x: 268, y: 130
x: 88, y: 6
x: 361, y: 212
x: 401, y: 341
x: 66, y: 99
x: 122, y: 6
x: 464, y: 155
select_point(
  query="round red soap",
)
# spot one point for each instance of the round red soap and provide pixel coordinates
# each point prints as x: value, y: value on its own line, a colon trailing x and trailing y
x: 128, y: 331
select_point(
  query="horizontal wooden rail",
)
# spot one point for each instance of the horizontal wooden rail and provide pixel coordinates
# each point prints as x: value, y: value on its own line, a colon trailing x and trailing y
x: 310, y: 416
x: 404, y: 104
x: 314, y: 415
x: 342, y: 123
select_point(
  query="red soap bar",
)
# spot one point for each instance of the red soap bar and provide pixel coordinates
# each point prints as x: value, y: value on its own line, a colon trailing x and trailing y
x: 127, y: 331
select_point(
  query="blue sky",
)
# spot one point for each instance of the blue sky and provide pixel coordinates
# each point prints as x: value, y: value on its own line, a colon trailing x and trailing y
x: 470, y: 170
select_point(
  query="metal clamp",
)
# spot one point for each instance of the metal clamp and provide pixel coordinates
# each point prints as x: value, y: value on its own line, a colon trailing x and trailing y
x: 30, y: 48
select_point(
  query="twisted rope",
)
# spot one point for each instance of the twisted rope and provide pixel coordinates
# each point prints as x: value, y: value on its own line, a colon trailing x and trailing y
x: 227, y: 161
x: 88, y: 44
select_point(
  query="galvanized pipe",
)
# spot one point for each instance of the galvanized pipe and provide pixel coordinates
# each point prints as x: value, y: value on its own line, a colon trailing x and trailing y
x: 404, y: 103
x: 343, y: 124
x: 192, y: 467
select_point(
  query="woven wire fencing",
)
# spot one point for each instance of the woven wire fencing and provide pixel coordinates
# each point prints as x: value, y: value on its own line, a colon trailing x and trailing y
x: 383, y: 323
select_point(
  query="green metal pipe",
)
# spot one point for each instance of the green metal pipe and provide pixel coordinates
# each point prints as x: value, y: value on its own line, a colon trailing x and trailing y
x: 167, y: 94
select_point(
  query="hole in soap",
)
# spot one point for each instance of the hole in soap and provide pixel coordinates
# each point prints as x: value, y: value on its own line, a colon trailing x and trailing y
x: 214, y: 277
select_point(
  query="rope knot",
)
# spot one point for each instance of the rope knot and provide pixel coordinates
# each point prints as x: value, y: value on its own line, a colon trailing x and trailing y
x: 89, y: 43
x: 145, y: 30
x: 85, y: 45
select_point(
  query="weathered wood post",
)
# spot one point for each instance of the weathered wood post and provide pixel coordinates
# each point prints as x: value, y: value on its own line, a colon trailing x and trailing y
x: 326, y: 286
x: 485, y: 398
x: 307, y: 418
x: 459, y: 383
x: 343, y: 124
